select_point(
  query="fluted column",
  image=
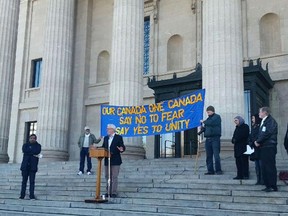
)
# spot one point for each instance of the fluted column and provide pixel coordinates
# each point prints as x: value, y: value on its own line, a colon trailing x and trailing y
x: 55, y: 87
x: 222, y: 60
x: 126, y: 86
x: 9, y: 13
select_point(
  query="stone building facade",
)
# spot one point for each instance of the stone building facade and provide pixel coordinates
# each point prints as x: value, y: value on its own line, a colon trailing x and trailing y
x: 61, y: 59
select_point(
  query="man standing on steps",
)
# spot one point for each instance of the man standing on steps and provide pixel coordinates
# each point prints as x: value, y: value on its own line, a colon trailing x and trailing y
x: 267, y: 141
x: 29, y: 166
x: 212, y: 133
x: 114, y: 143
x: 85, y: 141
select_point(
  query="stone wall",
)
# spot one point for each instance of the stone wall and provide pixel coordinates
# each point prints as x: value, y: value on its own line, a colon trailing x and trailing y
x: 93, y: 35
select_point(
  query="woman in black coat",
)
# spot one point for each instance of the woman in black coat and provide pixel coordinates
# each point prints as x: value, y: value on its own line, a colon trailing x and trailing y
x: 256, y: 121
x: 240, y: 141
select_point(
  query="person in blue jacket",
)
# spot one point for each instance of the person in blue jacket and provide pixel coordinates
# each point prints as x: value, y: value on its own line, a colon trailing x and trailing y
x: 29, y: 166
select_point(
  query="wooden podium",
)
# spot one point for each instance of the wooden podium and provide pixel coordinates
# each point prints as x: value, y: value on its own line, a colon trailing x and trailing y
x: 98, y: 153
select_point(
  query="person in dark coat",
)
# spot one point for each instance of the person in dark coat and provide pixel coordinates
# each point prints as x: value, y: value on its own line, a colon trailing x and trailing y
x: 114, y: 143
x: 212, y: 133
x: 267, y: 141
x: 240, y: 141
x: 286, y: 140
x: 256, y: 155
x: 29, y: 166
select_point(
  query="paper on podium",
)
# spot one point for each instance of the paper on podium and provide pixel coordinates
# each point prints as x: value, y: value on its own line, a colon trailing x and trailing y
x: 249, y: 150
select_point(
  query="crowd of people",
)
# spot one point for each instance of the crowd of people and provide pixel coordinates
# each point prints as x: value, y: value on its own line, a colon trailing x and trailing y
x: 262, y: 138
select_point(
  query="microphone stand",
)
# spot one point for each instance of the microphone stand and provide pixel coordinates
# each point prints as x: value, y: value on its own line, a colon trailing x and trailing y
x: 109, y: 173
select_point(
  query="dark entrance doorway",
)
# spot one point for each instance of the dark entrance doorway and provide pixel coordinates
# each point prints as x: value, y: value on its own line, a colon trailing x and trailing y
x: 257, y: 84
x: 176, y: 144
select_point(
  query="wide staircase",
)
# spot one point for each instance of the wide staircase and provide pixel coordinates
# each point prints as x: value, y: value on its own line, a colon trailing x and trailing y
x: 146, y: 187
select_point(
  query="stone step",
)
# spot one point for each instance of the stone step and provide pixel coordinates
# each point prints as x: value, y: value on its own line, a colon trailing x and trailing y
x: 147, y: 187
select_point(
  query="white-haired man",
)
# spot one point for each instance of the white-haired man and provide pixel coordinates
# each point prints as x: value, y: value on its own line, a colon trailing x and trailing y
x: 114, y: 143
x: 86, y: 140
x: 267, y: 141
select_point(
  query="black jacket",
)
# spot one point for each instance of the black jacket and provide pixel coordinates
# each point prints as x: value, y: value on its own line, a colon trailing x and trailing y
x: 286, y: 140
x: 240, y: 139
x: 213, y: 126
x: 253, y: 137
x: 115, y: 153
x: 30, y: 162
x: 268, y: 133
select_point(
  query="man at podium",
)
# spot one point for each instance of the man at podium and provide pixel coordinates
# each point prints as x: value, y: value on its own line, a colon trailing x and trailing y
x: 114, y: 143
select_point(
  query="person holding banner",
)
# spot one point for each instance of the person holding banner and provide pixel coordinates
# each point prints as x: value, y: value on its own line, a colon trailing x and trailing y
x: 114, y: 143
x: 212, y: 133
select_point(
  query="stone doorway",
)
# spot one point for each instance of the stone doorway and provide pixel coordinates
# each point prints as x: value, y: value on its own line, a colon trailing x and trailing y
x: 180, y: 144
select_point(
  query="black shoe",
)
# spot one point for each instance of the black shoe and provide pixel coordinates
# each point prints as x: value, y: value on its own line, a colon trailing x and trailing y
x: 32, y: 198
x: 22, y: 197
x: 237, y: 178
x: 267, y: 189
x: 275, y: 188
x: 114, y: 195
x: 246, y: 177
x: 209, y: 173
x: 219, y: 173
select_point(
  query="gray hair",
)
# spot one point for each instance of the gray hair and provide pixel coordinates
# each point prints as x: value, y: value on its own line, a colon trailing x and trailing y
x: 111, y: 126
x: 240, y: 119
x: 265, y: 109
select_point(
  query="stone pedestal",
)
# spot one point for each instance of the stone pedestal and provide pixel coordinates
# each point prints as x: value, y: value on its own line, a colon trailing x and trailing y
x: 126, y: 86
x: 9, y: 13
x: 55, y: 87
x: 222, y: 61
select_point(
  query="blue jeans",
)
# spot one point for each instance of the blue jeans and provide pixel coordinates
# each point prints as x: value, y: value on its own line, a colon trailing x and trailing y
x: 84, y: 153
x: 212, y: 146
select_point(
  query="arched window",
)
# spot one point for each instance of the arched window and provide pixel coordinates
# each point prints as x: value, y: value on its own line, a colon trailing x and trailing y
x: 270, y: 35
x: 103, y: 67
x: 175, y: 53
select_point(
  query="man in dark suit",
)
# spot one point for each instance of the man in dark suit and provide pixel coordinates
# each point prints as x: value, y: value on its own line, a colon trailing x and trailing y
x: 267, y: 141
x: 29, y: 166
x: 114, y: 143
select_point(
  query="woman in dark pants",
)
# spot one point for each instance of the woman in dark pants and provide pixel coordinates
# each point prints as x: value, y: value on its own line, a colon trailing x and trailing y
x: 240, y: 141
x: 256, y: 121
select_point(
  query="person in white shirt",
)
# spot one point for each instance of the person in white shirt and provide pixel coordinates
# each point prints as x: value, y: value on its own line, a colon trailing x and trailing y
x: 86, y: 140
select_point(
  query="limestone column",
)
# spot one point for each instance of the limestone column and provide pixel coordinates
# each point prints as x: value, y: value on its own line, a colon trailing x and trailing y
x: 222, y: 60
x: 126, y: 80
x: 55, y: 87
x: 9, y: 13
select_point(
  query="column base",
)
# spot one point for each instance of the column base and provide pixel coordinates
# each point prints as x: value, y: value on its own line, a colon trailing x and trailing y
x: 4, y: 158
x: 134, y: 152
x: 54, y: 155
